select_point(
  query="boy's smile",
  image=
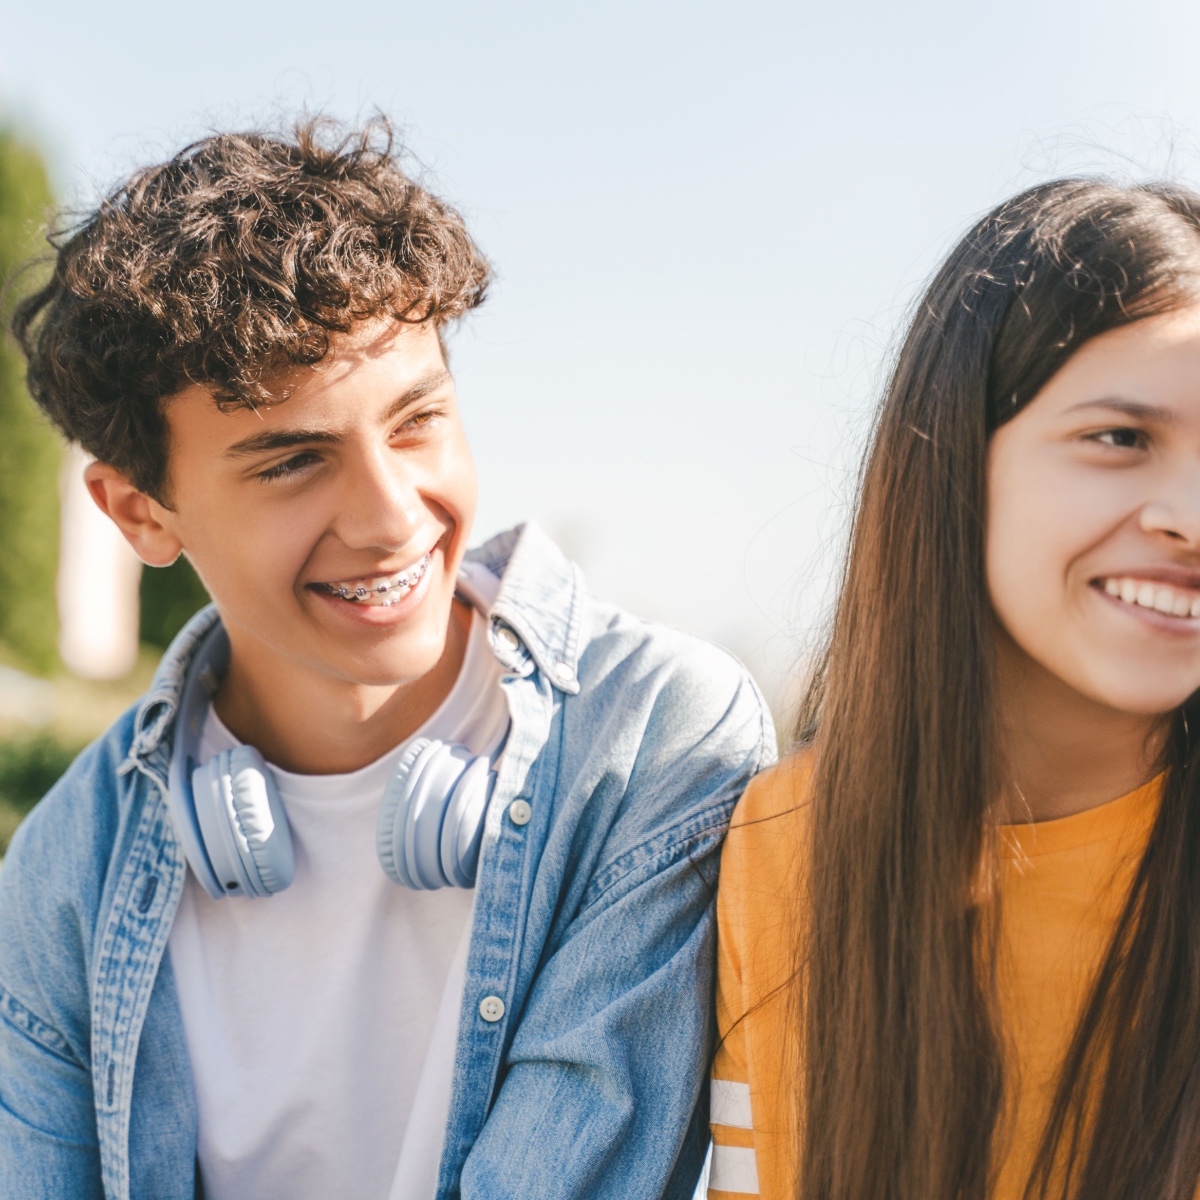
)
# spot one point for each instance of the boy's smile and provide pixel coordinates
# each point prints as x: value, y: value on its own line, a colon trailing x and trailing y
x: 379, y: 590
x: 329, y: 528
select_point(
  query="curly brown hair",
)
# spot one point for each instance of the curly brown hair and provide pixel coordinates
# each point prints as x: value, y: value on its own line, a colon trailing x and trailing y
x: 228, y: 266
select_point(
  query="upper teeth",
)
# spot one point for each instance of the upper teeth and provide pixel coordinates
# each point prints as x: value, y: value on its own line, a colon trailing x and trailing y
x: 382, y: 584
x: 1176, y: 602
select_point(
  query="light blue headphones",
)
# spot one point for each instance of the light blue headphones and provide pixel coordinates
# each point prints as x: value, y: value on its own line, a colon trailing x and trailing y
x: 234, y: 829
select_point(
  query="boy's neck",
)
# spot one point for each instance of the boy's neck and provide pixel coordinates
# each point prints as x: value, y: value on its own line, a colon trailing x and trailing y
x: 313, y: 724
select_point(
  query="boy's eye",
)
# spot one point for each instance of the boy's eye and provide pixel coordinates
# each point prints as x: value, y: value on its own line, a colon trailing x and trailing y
x: 1122, y: 438
x: 417, y: 420
x: 291, y: 466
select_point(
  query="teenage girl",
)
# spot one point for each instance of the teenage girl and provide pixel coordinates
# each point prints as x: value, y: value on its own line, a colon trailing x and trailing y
x: 960, y: 928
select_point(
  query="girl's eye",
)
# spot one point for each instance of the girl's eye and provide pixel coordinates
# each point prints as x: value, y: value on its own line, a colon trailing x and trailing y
x: 291, y: 466
x: 1121, y: 438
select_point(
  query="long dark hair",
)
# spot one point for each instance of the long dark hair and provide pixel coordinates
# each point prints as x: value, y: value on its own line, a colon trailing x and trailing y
x: 902, y: 1065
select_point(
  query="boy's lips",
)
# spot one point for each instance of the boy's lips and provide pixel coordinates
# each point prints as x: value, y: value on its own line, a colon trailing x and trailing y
x: 378, y: 590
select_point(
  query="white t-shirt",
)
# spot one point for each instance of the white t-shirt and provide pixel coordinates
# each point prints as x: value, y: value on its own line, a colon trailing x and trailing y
x: 321, y: 1022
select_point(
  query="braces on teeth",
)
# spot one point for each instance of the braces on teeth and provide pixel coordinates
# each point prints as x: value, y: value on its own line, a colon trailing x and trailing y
x: 403, y: 583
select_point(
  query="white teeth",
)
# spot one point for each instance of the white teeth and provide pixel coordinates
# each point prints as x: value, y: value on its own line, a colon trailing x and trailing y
x: 1175, y: 602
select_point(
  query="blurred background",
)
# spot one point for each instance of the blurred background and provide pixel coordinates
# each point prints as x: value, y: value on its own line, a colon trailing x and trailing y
x: 707, y: 221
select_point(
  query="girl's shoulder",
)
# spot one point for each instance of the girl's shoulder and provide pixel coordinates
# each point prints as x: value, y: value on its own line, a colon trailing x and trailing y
x: 767, y: 837
x: 778, y: 794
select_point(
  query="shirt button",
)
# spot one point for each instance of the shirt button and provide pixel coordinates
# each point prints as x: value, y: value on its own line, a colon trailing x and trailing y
x: 507, y: 637
x: 491, y: 1009
x: 564, y: 671
x: 519, y: 812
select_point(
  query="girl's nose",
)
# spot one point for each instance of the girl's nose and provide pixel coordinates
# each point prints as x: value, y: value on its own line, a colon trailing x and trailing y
x: 1178, y: 521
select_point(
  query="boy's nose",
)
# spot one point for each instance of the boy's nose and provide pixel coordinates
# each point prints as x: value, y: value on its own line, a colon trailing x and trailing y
x: 381, y: 507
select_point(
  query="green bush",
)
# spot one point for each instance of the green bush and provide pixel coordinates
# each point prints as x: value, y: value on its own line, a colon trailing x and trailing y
x: 29, y: 449
x: 169, y: 596
x: 29, y: 768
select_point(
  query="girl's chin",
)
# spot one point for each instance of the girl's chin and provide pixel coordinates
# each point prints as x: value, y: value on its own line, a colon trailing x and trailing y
x: 1147, y: 703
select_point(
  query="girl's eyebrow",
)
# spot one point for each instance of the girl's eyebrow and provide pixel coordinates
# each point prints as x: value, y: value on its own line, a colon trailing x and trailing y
x: 1137, y: 409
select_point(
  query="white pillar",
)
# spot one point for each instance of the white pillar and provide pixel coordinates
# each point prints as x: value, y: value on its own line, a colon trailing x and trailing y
x: 98, y: 577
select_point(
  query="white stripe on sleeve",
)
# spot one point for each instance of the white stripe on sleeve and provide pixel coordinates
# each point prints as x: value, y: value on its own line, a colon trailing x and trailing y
x: 734, y: 1169
x: 729, y: 1103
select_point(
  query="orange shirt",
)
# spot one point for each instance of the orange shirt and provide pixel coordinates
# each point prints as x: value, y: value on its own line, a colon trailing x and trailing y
x: 1062, y: 883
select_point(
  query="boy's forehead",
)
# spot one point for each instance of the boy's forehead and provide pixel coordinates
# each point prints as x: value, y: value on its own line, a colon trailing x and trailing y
x: 384, y: 353
x: 368, y: 370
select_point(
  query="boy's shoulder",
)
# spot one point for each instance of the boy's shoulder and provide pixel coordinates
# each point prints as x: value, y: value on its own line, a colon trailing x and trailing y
x: 671, y: 723
x: 590, y: 645
x: 660, y: 731
x: 678, y: 693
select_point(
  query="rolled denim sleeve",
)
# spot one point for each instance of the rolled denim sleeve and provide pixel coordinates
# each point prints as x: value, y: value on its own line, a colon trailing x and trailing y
x: 602, y: 1094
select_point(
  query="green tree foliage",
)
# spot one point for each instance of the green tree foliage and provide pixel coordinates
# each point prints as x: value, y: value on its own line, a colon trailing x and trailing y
x: 29, y: 449
x: 169, y: 595
x: 29, y: 768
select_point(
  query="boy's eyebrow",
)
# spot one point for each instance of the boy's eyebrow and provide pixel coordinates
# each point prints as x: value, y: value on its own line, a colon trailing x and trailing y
x: 280, y: 439
x: 419, y: 390
x: 284, y: 439
x: 1138, y: 409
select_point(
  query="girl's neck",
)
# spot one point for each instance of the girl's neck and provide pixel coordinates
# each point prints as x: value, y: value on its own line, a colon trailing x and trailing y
x: 1062, y: 752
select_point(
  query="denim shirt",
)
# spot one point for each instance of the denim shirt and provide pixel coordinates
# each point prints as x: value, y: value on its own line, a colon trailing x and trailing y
x: 593, y: 926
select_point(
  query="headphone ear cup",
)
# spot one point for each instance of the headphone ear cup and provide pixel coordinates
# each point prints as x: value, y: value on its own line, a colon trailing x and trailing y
x: 262, y: 834
x: 421, y: 820
x: 393, y: 816
x: 462, y: 827
x: 209, y: 789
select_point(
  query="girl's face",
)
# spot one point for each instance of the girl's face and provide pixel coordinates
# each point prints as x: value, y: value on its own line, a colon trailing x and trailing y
x: 1093, y: 537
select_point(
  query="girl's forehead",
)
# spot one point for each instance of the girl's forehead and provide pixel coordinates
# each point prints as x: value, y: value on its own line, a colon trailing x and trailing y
x: 1153, y: 364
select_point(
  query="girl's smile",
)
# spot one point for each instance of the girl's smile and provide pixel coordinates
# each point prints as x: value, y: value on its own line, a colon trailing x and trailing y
x: 1093, y: 530
x: 1150, y: 598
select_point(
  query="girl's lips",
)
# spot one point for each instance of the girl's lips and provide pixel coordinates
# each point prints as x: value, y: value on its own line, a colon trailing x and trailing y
x: 1172, y: 574
x: 1160, y: 596
x: 1153, y: 604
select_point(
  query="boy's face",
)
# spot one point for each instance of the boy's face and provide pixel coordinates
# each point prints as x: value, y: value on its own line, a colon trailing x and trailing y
x: 329, y: 527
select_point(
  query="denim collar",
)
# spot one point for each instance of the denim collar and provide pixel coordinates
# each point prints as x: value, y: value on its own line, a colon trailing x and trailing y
x: 541, y: 599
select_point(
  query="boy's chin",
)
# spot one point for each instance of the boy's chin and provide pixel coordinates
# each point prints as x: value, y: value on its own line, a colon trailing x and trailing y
x: 392, y: 666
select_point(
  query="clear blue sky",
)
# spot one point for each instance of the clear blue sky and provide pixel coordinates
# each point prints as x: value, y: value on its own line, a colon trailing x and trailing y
x: 707, y: 220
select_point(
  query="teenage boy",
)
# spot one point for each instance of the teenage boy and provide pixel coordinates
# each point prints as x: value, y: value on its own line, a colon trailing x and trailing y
x: 398, y: 882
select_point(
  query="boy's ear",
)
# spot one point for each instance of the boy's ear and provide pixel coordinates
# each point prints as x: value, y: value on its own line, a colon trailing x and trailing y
x: 138, y: 516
